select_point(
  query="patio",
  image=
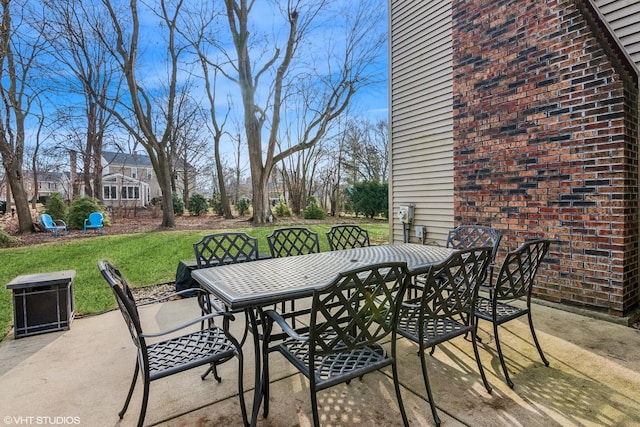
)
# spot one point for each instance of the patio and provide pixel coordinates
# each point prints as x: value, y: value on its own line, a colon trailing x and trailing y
x: 83, y: 375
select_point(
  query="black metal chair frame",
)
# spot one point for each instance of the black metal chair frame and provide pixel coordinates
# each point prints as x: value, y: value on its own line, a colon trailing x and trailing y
x: 165, y: 353
x: 514, y: 281
x: 347, y: 236
x: 293, y: 241
x: 225, y: 248
x: 437, y: 314
x: 221, y: 249
x: 475, y: 236
x: 349, y: 318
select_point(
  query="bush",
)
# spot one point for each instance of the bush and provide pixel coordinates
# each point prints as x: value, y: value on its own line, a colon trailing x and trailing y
x: 370, y: 198
x: 282, y: 209
x: 313, y: 211
x: 81, y: 208
x: 243, y: 206
x: 178, y: 205
x: 56, y: 207
x: 6, y: 240
x: 198, y: 204
x: 216, y: 205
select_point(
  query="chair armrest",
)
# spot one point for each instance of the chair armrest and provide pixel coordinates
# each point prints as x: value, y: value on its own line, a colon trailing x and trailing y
x: 276, y: 317
x: 183, y: 325
x: 61, y: 222
x: 174, y: 294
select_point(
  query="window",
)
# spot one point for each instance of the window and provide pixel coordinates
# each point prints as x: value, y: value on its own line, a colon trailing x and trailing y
x: 149, y: 173
x: 130, y: 193
x: 109, y: 192
x: 134, y: 173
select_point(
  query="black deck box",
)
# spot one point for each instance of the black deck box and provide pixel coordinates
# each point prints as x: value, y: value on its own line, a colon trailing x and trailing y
x: 42, y: 302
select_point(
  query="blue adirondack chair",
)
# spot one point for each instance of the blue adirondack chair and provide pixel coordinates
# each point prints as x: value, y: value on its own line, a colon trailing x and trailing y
x: 94, y: 221
x: 49, y: 224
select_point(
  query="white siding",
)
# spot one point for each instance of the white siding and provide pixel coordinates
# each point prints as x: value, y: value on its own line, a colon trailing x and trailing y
x: 623, y: 17
x: 421, y: 115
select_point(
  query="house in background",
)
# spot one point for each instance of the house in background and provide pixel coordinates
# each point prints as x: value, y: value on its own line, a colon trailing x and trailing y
x: 49, y: 183
x: 523, y: 115
x: 128, y: 180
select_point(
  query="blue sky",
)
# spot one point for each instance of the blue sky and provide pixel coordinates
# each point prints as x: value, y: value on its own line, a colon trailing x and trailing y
x: 371, y: 102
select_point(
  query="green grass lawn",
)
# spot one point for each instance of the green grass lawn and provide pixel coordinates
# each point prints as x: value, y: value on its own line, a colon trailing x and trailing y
x: 144, y: 259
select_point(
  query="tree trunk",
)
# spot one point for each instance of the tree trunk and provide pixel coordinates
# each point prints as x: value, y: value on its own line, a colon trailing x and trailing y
x: 16, y: 182
x: 164, y: 173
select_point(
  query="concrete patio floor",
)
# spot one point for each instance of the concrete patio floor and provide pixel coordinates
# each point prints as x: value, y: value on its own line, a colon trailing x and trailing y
x: 81, y: 377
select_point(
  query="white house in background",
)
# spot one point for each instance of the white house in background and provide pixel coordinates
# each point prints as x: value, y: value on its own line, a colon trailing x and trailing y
x: 128, y: 180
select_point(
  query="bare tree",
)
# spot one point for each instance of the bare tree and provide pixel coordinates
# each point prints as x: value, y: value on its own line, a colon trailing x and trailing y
x: 367, y: 150
x: 145, y: 125
x: 20, y: 48
x: 75, y: 30
x: 345, y: 71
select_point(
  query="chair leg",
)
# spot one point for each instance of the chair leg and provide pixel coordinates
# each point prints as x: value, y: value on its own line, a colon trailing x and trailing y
x: 213, y: 368
x: 314, y: 406
x: 535, y: 340
x: 474, y: 342
x: 145, y: 400
x: 428, y: 387
x: 504, y: 365
x: 131, y: 387
x: 396, y: 385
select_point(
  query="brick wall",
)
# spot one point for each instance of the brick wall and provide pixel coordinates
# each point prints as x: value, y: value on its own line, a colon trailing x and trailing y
x: 546, y: 143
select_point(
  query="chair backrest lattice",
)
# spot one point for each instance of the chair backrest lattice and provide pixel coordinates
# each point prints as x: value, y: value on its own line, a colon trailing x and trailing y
x: 516, y: 276
x: 359, y: 308
x: 347, y: 236
x: 225, y: 248
x: 293, y: 241
x: 473, y: 236
x: 451, y: 287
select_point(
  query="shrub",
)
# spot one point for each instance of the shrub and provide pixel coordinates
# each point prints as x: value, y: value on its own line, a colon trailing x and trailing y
x: 370, y: 198
x: 313, y: 211
x: 6, y: 240
x: 216, y: 205
x: 81, y: 208
x: 178, y: 205
x: 198, y: 204
x: 56, y: 207
x: 282, y: 209
x: 243, y: 206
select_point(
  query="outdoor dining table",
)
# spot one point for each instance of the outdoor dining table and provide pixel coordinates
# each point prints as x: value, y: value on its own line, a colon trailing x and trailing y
x: 253, y: 285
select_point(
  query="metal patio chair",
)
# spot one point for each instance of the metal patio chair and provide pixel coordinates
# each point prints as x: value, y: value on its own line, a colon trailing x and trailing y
x: 347, y: 236
x: 436, y: 314
x: 94, y: 221
x: 221, y: 249
x: 475, y: 236
x: 49, y: 224
x: 165, y: 353
x: 293, y: 241
x: 225, y: 248
x: 349, y: 319
x: 514, y: 281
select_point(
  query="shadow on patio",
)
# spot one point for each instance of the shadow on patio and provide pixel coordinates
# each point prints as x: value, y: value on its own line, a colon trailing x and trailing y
x: 84, y: 374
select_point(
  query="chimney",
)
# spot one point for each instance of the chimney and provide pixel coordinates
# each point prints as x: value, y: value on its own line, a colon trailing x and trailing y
x: 73, y: 160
